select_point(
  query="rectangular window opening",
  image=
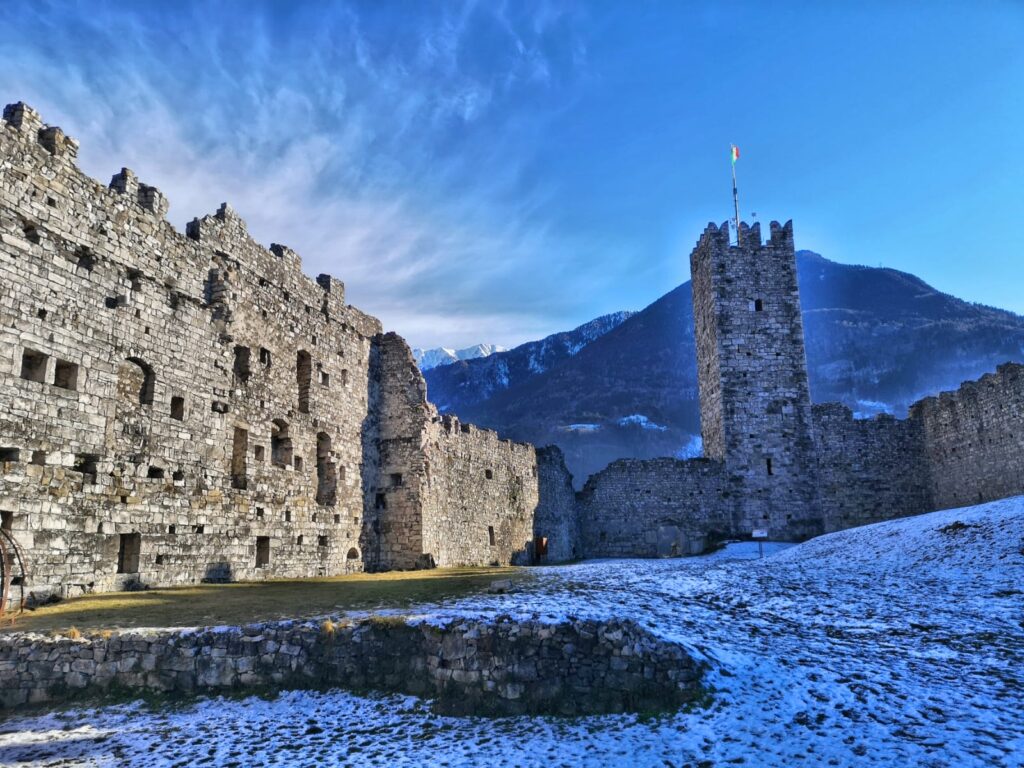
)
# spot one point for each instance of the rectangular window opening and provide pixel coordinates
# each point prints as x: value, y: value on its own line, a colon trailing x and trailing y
x: 264, y: 357
x: 10, y: 454
x: 129, y: 547
x: 6, y: 520
x: 86, y: 464
x: 262, y: 551
x: 396, y: 479
x: 33, y: 365
x: 178, y: 408
x: 768, y: 465
x: 65, y: 375
x: 239, y: 453
x: 241, y: 366
x: 490, y: 535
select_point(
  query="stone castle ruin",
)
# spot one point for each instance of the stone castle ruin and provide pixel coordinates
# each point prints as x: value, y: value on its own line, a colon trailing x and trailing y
x: 184, y: 407
x: 772, y: 459
x: 176, y: 408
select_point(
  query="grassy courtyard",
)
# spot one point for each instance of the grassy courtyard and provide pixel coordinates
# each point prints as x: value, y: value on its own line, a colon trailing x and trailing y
x: 244, y: 602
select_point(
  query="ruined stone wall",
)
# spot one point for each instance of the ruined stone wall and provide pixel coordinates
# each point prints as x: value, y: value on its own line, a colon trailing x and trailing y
x: 752, y: 372
x: 167, y: 434
x: 556, y: 524
x: 656, y: 507
x: 481, y: 495
x: 179, y: 407
x: 500, y: 667
x: 449, y: 493
x: 396, y: 493
x: 868, y: 469
x: 974, y: 439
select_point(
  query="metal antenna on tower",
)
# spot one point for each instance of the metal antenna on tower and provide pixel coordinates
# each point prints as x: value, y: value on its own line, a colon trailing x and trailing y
x: 735, y: 154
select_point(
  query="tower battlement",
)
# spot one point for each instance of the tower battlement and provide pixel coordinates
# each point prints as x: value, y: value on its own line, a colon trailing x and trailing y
x: 752, y: 369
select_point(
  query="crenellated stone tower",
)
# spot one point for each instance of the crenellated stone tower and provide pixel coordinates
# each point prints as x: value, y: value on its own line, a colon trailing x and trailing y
x: 752, y: 372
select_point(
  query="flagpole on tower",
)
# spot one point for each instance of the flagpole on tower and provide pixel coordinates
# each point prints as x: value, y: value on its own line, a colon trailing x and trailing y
x: 735, y: 154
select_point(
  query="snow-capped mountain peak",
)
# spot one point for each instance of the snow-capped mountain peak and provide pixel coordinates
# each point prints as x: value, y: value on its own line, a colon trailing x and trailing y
x: 432, y: 358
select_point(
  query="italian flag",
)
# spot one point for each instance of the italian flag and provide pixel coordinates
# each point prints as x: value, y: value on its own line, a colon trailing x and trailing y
x: 735, y: 153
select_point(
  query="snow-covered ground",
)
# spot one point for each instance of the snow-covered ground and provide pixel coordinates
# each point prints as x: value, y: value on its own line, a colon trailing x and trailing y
x: 899, y: 644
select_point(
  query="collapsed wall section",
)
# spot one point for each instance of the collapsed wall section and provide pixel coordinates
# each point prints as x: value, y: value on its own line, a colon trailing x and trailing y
x: 481, y: 496
x: 556, y: 524
x: 446, y: 493
x: 656, y: 508
x: 974, y: 438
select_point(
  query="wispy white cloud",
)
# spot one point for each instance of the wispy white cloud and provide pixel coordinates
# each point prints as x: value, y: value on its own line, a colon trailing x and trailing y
x: 385, y: 157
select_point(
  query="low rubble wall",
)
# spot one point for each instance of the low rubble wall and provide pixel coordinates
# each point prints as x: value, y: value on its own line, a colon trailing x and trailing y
x: 493, y: 667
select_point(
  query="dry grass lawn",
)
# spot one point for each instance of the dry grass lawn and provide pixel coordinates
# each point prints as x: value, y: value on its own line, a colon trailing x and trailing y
x: 244, y: 602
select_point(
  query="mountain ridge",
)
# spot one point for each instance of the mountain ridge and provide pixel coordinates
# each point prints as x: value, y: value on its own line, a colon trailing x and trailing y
x: 877, y: 339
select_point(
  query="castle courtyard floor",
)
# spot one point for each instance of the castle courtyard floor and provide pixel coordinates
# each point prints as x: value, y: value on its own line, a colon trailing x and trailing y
x: 253, y: 601
x: 899, y: 644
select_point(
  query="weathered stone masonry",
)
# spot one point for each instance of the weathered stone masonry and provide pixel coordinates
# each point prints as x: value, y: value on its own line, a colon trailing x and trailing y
x: 499, y: 667
x: 776, y: 462
x: 179, y: 407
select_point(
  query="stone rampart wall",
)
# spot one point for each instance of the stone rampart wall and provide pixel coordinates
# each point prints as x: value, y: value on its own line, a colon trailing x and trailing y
x: 868, y: 469
x: 502, y: 667
x: 974, y: 439
x: 655, y: 507
x: 480, y: 497
x: 177, y: 407
x: 172, y: 407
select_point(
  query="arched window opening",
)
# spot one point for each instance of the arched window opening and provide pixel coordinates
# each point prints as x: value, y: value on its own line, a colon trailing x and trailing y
x: 147, y: 385
x: 353, y: 554
x: 280, y: 444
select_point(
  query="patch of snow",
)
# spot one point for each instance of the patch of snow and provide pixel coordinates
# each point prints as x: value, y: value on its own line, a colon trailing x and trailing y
x: 892, y: 645
x: 432, y: 358
x: 501, y: 374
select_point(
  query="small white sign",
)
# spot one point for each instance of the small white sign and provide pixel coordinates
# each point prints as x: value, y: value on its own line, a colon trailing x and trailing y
x: 760, y: 533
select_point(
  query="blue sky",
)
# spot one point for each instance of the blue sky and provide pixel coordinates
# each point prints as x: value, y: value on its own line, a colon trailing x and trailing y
x: 489, y: 171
